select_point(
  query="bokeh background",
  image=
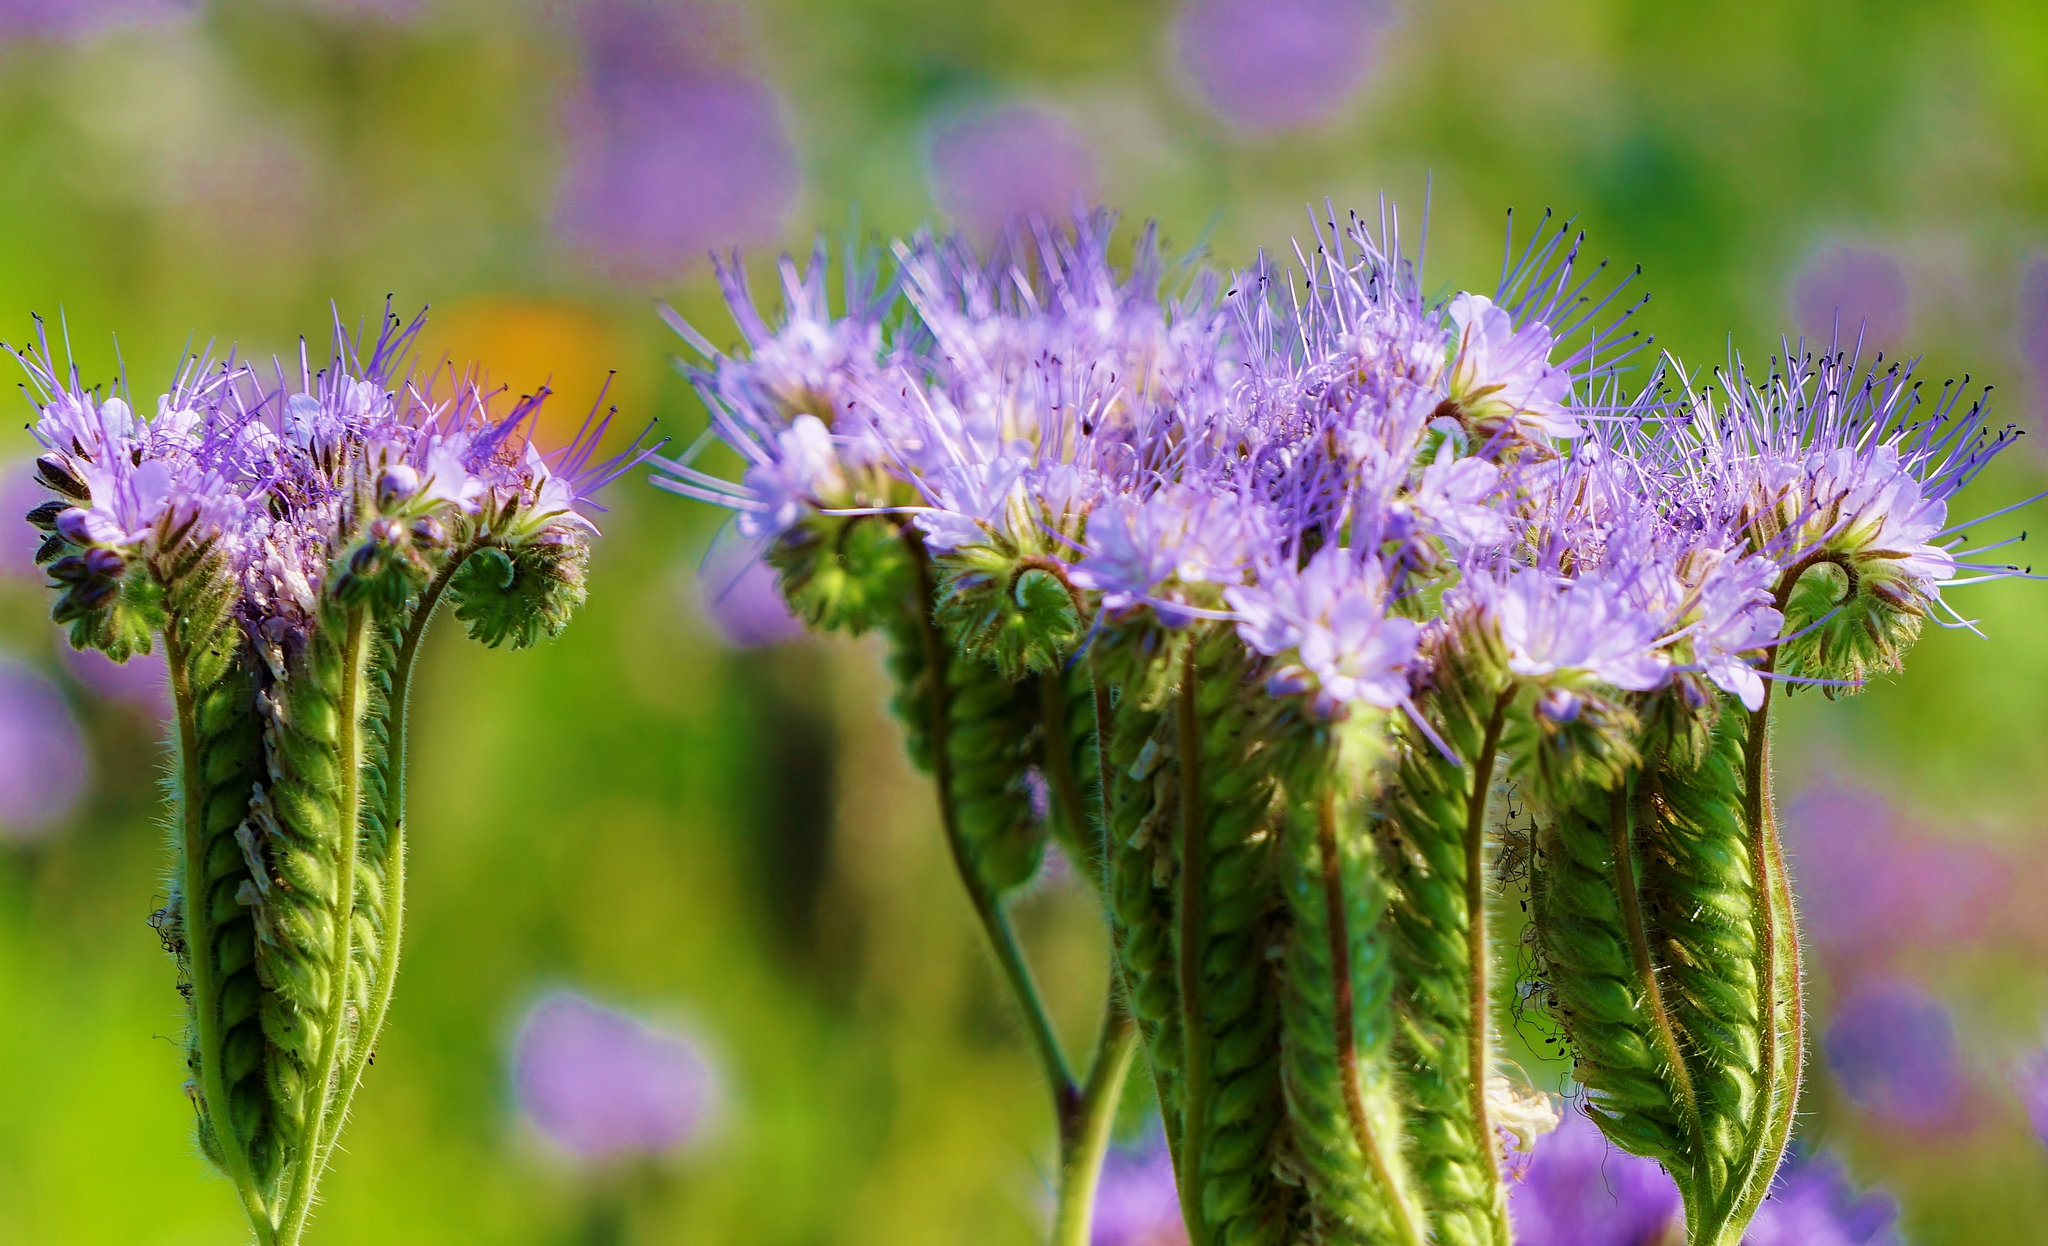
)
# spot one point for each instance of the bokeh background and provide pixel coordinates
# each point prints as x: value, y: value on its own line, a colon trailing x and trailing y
x: 680, y: 812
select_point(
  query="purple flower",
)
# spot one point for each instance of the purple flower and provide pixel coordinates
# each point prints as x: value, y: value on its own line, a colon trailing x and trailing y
x: 1892, y: 1049
x: 43, y: 760
x: 1812, y: 1204
x: 2033, y: 317
x: 674, y: 149
x: 1137, y: 1202
x: 1502, y: 379
x: 736, y: 590
x: 1138, y: 552
x: 1578, y: 1190
x: 1279, y: 64
x: 601, y: 1084
x: 1332, y: 614
x: 1846, y: 292
x: 1016, y: 160
x: 1552, y: 626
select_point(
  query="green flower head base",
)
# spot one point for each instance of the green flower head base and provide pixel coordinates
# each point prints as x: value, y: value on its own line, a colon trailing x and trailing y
x: 287, y: 535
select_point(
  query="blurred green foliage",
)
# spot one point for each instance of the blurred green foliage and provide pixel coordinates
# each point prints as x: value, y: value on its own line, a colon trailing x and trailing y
x: 638, y: 812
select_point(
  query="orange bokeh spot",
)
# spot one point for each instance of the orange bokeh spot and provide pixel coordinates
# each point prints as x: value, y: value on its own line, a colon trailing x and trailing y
x: 519, y: 345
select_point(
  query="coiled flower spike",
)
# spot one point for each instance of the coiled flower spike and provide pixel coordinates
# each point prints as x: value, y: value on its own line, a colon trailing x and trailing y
x: 288, y: 540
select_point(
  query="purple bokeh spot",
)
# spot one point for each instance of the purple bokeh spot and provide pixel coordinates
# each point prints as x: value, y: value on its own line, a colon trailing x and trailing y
x: 1137, y: 1202
x: 1279, y: 64
x: 76, y: 19
x: 2033, y: 337
x: 1892, y: 1049
x: 20, y: 493
x: 1813, y: 1204
x: 1870, y: 885
x: 599, y: 1083
x: 1862, y: 286
x: 1013, y: 160
x: 142, y: 681
x: 675, y: 149
x: 737, y: 592
x: 1579, y: 1190
x: 43, y: 760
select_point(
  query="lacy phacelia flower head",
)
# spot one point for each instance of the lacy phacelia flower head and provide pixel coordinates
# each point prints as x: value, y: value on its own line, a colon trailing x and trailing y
x: 1835, y: 472
x: 356, y: 480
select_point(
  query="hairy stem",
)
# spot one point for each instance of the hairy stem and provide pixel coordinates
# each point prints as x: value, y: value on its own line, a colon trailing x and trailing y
x: 988, y: 908
x: 364, y: 1048
x: 1194, y: 881
x: 1636, y: 931
x: 205, y: 977
x: 1084, y: 1134
x: 1479, y: 1056
x: 1409, y: 1221
x: 306, y: 1169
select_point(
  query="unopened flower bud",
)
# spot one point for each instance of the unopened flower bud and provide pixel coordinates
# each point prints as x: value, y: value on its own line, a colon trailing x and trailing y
x: 57, y: 473
x: 429, y: 531
x: 105, y: 563
x: 1560, y: 705
x: 397, y: 484
x: 88, y: 527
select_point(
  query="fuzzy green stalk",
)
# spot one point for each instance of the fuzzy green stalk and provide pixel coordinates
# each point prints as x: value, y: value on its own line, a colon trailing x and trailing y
x: 389, y: 861
x: 1337, y: 1032
x: 212, y: 691
x: 939, y: 726
x: 1085, y: 1129
x: 1433, y: 848
x: 349, y: 697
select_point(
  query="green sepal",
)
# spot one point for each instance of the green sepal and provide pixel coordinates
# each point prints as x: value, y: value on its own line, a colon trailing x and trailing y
x: 841, y: 573
x: 999, y: 605
x: 1849, y: 620
x: 519, y: 595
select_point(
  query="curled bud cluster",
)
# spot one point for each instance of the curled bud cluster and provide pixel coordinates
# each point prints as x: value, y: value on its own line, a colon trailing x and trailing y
x: 1336, y: 610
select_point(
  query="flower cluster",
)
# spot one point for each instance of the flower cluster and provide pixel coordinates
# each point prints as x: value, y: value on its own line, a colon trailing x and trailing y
x: 355, y: 478
x: 1340, y: 466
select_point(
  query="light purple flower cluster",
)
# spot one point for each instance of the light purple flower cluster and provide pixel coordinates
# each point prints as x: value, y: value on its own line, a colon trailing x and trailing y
x: 1347, y: 469
x: 299, y: 476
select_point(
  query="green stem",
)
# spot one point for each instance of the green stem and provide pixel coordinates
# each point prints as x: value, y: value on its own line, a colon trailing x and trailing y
x: 364, y: 1049
x: 1479, y: 1054
x: 1409, y: 1221
x: 1621, y: 845
x: 1194, y: 880
x: 306, y: 1169
x: 1084, y: 1135
x: 205, y: 980
x: 988, y: 908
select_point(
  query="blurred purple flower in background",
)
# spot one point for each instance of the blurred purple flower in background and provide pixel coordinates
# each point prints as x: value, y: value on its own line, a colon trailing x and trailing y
x: 1579, y: 1190
x: 1137, y: 1202
x: 736, y: 590
x: 600, y: 1084
x: 1279, y: 64
x: 20, y: 493
x: 988, y: 167
x: 73, y: 19
x: 1892, y: 1049
x: 1872, y: 886
x: 676, y: 148
x: 2033, y: 331
x: 2033, y: 1086
x: 1813, y: 1204
x: 43, y: 760
x: 141, y: 681
x: 1863, y: 286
